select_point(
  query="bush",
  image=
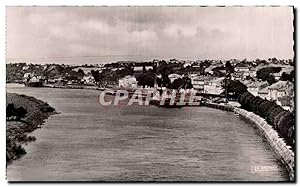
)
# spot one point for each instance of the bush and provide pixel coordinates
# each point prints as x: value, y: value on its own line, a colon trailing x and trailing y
x: 10, y: 110
x: 245, y: 100
x: 248, y: 100
x: 291, y: 136
x: 271, y: 79
x: 277, y: 118
x: 273, y: 114
x: 264, y: 73
x: 257, y: 101
x: 285, y: 123
x: 46, y: 108
x: 263, y: 107
x: 269, y: 111
x: 19, y: 150
x: 20, y: 113
x: 234, y: 86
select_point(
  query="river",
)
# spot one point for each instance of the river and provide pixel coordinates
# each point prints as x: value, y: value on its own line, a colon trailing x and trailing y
x: 90, y: 142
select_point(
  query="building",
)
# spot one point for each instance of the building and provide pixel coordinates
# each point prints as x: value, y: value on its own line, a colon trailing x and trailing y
x: 214, y: 86
x: 197, y: 82
x: 277, y: 76
x: 242, y: 71
x: 128, y: 82
x: 174, y: 76
x: 210, y: 69
x: 242, y: 68
x: 263, y: 93
x: 140, y: 68
x: 252, y: 72
x: 237, y: 76
x: 280, y: 89
x: 187, y: 63
x: 286, y: 102
x: 282, y: 92
x: 255, y: 86
x: 286, y: 70
x: 88, y: 79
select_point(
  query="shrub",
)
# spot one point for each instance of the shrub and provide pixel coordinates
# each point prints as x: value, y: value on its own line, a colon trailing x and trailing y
x: 263, y: 107
x: 46, y: 108
x: 10, y: 110
x: 273, y: 114
x: 285, y: 123
x: 291, y: 136
x: 269, y: 111
x: 277, y: 118
x: 256, y: 103
x: 19, y: 112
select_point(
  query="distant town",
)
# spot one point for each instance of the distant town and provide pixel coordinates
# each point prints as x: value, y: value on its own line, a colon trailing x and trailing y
x: 271, y: 79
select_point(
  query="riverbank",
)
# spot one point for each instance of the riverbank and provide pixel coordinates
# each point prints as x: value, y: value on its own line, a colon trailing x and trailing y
x: 282, y: 150
x: 74, y: 87
x: 17, y: 130
x: 218, y: 106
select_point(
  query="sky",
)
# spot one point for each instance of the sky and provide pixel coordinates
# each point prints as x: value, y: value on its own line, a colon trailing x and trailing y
x: 102, y: 34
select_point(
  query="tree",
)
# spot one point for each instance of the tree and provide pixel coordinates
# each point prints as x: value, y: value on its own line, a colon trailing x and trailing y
x: 277, y: 118
x: 247, y: 102
x: 271, y: 79
x: 285, y: 123
x: 10, y: 110
x: 263, y: 107
x: 275, y: 111
x: 165, y: 71
x: 234, y: 86
x: 80, y: 72
x: 288, y: 77
x: 184, y: 82
x: 229, y: 67
x: 96, y: 75
x: 20, y: 113
x: 177, y: 83
x: 146, y: 79
x: 256, y: 103
x: 159, y: 82
x: 264, y: 73
x: 242, y: 97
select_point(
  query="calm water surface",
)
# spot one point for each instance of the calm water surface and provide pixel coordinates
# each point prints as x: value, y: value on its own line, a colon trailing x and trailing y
x: 90, y: 142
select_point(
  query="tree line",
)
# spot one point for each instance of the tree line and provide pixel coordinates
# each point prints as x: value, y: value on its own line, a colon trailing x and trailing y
x: 281, y: 120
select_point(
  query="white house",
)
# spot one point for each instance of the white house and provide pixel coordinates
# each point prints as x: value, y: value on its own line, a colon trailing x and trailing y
x: 88, y: 79
x: 210, y: 69
x: 140, y: 68
x: 214, y: 86
x: 242, y: 68
x: 187, y: 63
x: 254, y: 87
x: 279, y: 92
x: 28, y: 75
x: 128, y: 82
x: 280, y: 89
x: 252, y: 72
x: 264, y: 93
x: 25, y: 67
x: 197, y: 82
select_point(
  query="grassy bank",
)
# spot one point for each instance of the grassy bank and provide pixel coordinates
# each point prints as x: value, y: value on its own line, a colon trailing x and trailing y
x: 17, y: 129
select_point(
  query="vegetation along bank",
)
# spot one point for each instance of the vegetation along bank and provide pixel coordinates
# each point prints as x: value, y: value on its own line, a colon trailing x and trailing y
x: 24, y: 114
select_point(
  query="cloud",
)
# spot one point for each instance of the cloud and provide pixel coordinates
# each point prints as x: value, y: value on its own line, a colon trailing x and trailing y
x: 148, y: 32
